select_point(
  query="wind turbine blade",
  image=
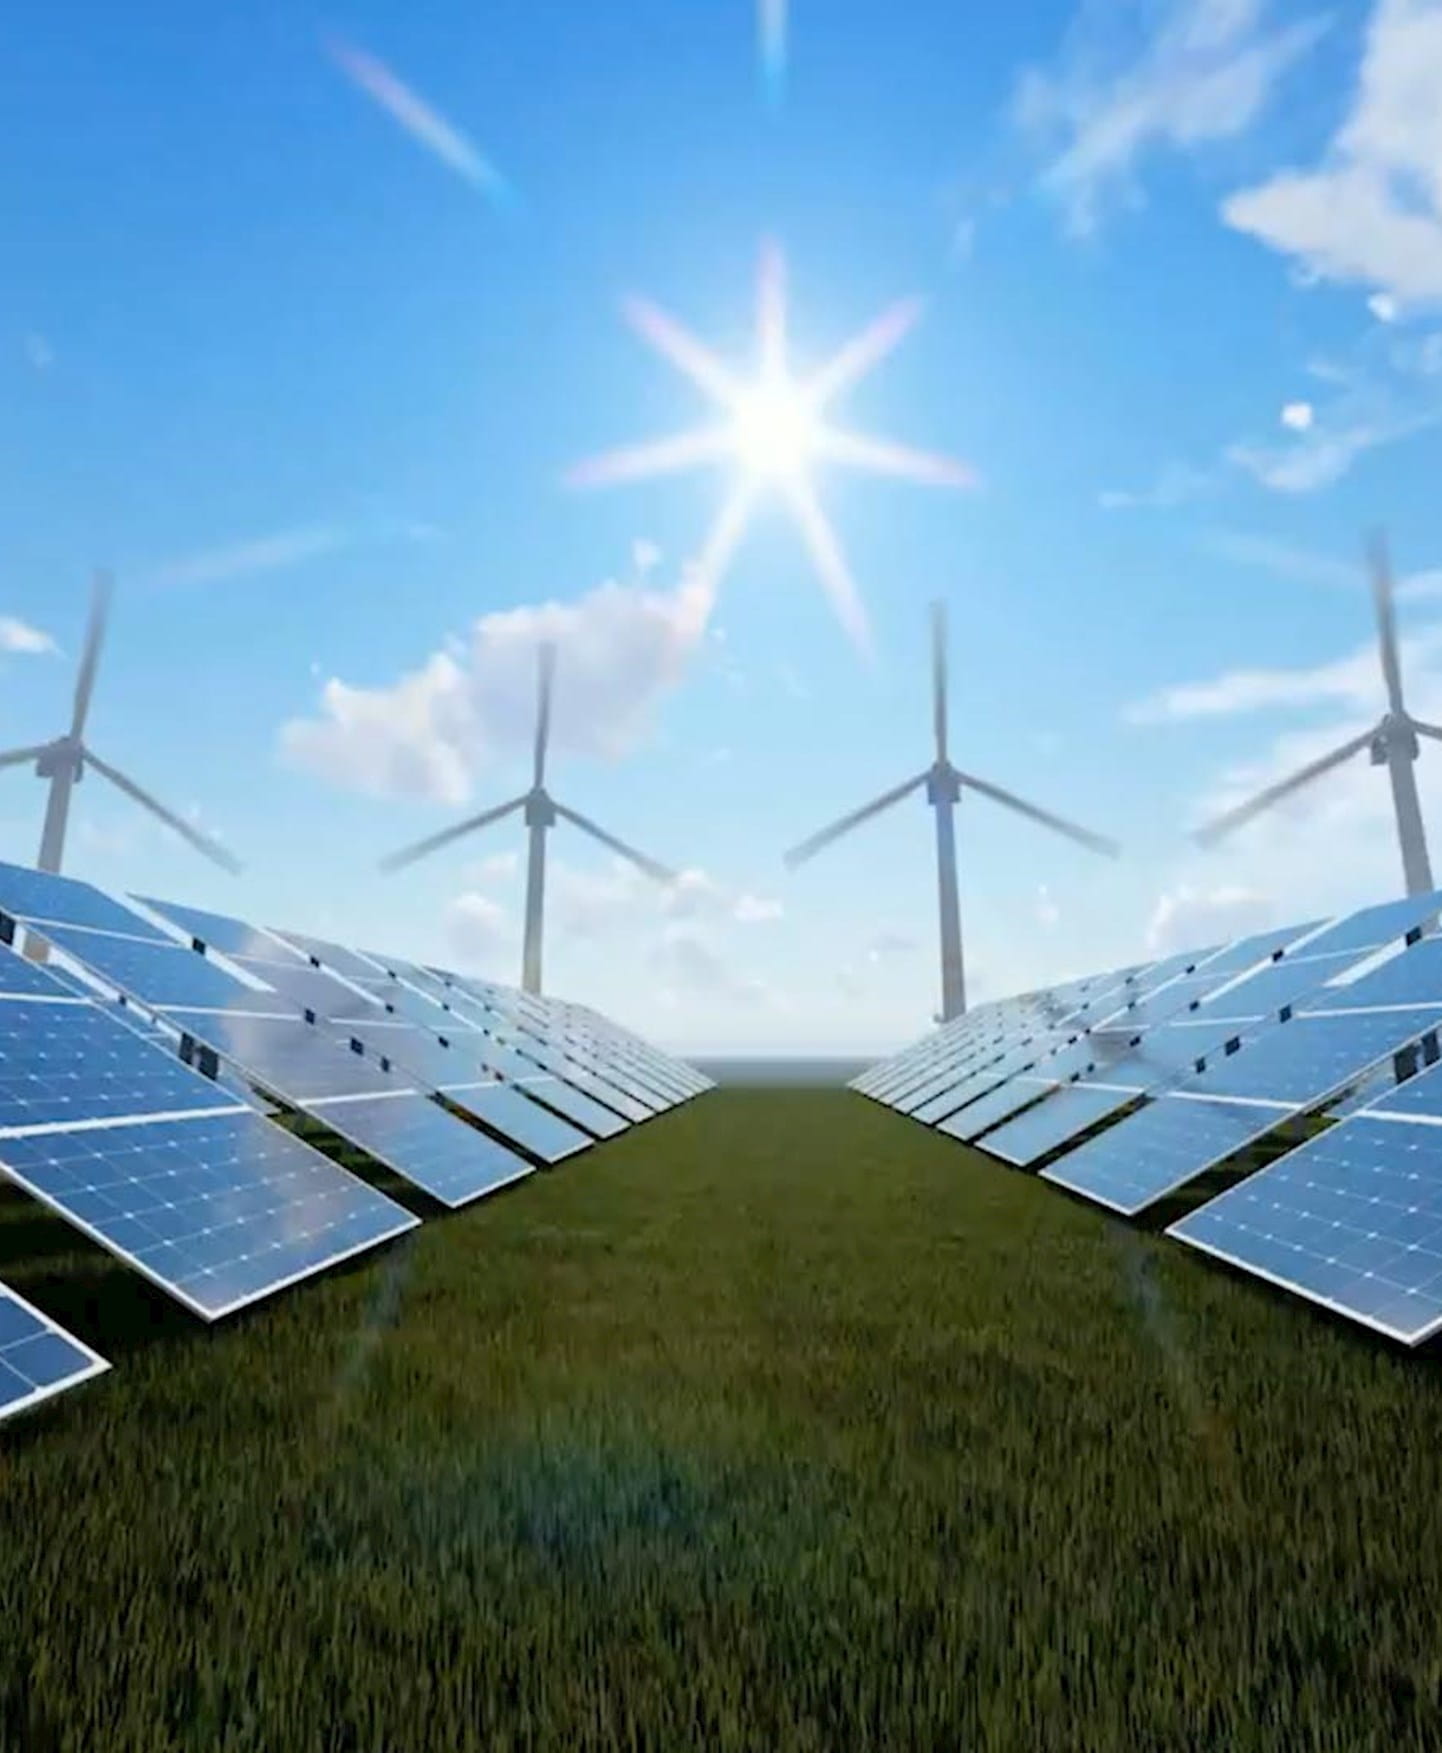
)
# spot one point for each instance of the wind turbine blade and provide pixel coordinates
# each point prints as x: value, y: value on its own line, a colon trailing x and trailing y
x: 410, y: 854
x: 1386, y: 620
x: 212, y: 849
x: 938, y: 676
x: 864, y: 351
x: 546, y: 658
x: 639, y: 859
x: 1427, y: 730
x: 809, y: 848
x: 19, y: 757
x: 879, y: 456
x: 771, y: 308
x: 682, y: 348
x: 1224, y: 824
x: 90, y: 657
x: 641, y: 462
x: 1059, y: 825
x: 830, y: 562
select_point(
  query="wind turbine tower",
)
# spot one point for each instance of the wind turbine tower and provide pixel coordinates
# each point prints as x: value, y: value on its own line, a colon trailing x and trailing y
x: 944, y: 785
x: 1391, y: 743
x: 540, y: 812
x: 64, y: 760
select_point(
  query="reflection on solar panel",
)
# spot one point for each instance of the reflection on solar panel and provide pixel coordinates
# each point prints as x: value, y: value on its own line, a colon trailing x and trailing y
x: 37, y: 1357
x: 35, y: 894
x: 1352, y: 1220
x: 219, y: 1209
x: 163, y: 976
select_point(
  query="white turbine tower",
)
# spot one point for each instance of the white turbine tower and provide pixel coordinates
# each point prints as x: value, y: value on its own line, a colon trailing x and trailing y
x: 541, y: 812
x: 64, y: 761
x: 1391, y: 742
x: 944, y: 785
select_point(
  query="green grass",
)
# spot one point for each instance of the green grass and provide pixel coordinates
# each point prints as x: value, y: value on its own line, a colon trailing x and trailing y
x: 778, y: 1424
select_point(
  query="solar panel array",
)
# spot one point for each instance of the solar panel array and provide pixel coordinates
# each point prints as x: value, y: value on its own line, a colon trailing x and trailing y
x: 1320, y: 1039
x: 157, y: 1061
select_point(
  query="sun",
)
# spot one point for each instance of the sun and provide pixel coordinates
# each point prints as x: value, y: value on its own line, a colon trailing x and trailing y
x: 774, y: 433
x: 774, y: 430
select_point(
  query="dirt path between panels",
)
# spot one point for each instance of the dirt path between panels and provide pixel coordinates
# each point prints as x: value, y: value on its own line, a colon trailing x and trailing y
x: 777, y: 1423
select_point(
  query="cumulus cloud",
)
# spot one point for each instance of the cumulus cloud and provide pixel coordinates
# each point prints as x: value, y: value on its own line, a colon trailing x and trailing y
x: 690, y: 965
x: 430, y: 732
x: 1135, y: 79
x: 1298, y: 416
x: 1372, y: 211
x: 20, y: 637
x: 1193, y: 917
x: 478, y: 931
x: 588, y: 902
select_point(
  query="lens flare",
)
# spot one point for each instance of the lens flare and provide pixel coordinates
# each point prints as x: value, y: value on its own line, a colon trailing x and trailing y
x: 775, y: 433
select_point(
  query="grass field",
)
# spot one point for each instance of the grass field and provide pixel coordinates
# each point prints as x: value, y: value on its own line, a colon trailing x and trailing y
x: 778, y: 1424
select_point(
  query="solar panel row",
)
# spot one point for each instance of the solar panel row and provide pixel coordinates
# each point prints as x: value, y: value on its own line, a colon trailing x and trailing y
x: 1126, y: 1088
x: 129, y: 1071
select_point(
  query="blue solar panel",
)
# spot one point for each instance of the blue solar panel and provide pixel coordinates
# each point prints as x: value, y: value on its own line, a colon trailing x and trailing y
x: 219, y: 1210
x: 332, y: 955
x: 1352, y: 1220
x: 161, y: 976
x: 447, y: 1158
x: 1370, y: 926
x: 397, y: 1124
x: 1419, y: 1096
x: 1306, y: 1059
x: 1160, y: 1148
x: 1412, y: 976
x: 36, y: 894
x: 19, y: 976
x: 1065, y: 1112
x: 997, y: 1105
x: 67, y: 1061
x: 509, y: 1111
x: 603, y: 1122
x: 37, y: 1357
x: 218, y: 930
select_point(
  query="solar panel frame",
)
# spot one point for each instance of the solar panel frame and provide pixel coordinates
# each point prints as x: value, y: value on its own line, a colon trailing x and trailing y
x: 27, y: 895
x: 39, y: 1359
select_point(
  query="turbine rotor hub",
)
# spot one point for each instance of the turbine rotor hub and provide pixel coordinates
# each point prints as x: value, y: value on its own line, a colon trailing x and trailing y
x: 943, y: 784
x: 65, y: 752
x: 540, y: 811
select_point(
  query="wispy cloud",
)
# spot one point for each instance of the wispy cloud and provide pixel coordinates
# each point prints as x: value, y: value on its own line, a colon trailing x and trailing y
x: 1283, y: 559
x: 1128, y: 83
x: 1175, y: 485
x: 424, y: 124
x: 772, y: 31
x: 1191, y: 916
x: 242, y: 559
x: 38, y: 351
x: 21, y: 638
x: 1353, y: 682
x: 1372, y: 212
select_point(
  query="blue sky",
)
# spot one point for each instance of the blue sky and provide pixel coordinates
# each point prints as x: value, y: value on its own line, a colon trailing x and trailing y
x: 311, y: 385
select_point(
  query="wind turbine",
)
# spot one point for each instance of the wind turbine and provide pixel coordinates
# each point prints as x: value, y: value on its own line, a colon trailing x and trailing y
x: 944, y: 785
x: 1391, y: 742
x: 541, y: 812
x: 64, y: 761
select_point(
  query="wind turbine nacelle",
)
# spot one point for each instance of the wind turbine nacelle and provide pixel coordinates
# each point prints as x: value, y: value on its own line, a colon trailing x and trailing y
x: 55, y: 759
x: 943, y: 786
x: 1394, y: 733
x: 540, y: 811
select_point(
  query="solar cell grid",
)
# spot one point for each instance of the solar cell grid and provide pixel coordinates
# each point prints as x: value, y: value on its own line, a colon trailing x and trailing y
x: 219, y: 1210
x: 452, y: 1161
x: 38, y: 1358
x: 232, y: 937
x: 1352, y: 1220
x: 296, y: 1059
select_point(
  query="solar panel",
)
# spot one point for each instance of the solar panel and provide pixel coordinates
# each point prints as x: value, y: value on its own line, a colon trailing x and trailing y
x: 332, y: 955
x: 37, y: 894
x: 1351, y: 1220
x: 218, y: 1209
x: 509, y: 1110
x: 232, y: 937
x: 38, y: 1358
x: 161, y: 976
x: 357, y: 1098
x: 1419, y: 1098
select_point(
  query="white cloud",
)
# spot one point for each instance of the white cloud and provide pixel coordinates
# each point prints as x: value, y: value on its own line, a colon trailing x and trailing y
x: 690, y: 965
x: 496, y: 867
x: 425, y: 125
x: 20, y: 637
x: 1353, y: 682
x: 1383, y: 306
x: 1323, y: 457
x: 478, y: 933
x: 751, y: 909
x: 242, y: 559
x: 1193, y: 917
x: 1372, y: 212
x: 1298, y: 416
x: 430, y: 732
x: 645, y: 556
x: 1175, y: 485
x: 1136, y: 78
x: 1048, y: 914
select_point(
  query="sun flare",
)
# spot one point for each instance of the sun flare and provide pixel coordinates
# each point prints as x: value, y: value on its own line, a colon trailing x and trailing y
x: 774, y: 432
